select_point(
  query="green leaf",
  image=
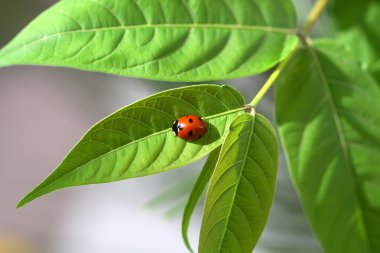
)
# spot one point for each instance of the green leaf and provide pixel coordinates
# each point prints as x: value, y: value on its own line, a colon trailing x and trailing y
x: 327, y: 109
x: 172, y: 40
x: 196, y: 193
x: 357, y: 27
x: 375, y: 70
x: 137, y: 140
x: 242, y: 187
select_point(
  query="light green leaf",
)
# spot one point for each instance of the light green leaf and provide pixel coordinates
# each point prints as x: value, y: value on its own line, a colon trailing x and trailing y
x: 196, y: 193
x: 242, y: 187
x: 357, y: 27
x: 174, y: 40
x: 327, y: 109
x: 137, y: 140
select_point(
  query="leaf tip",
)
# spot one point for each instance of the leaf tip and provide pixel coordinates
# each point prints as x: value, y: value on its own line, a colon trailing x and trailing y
x: 186, y: 239
x: 189, y: 247
x: 26, y: 199
x: 22, y: 203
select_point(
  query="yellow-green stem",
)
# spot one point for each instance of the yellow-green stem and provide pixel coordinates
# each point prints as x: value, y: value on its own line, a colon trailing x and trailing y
x: 272, y: 79
x: 314, y: 15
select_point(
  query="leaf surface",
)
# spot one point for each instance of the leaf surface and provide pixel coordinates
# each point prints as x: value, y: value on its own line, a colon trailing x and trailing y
x: 375, y: 70
x: 242, y: 187
x: 176, y: 40
x: 137, y: 140
x: 357, y: 27
x: 327, y: 109
x: 197, y: 191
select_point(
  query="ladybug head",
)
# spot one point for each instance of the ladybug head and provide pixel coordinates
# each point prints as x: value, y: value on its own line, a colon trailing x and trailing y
x: 175, y: 127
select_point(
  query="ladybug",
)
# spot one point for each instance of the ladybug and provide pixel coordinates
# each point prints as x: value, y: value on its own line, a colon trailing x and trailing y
x: 189, y: 127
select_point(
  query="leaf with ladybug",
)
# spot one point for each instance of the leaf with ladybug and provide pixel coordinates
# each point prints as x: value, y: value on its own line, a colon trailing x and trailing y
x: 138, y: 140
x: 242, y: 187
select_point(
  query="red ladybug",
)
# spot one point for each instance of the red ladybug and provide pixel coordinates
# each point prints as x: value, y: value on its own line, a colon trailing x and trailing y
x: 189, y: 127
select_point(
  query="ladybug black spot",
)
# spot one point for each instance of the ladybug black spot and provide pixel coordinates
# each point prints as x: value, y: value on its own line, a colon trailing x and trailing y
x: 191, y: 120
x: 190, y: 133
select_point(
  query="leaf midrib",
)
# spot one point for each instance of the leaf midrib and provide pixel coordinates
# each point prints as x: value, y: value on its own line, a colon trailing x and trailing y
x: 239, y: 178
x: 189, y: 26
x: 115, y: 150
x: 231, y: 27
x: 287, y: 31
x: 342, y: 139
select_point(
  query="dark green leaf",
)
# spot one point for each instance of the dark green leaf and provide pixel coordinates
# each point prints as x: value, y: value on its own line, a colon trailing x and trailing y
x: 137, y: 140
x: 357, y: 26
x: 159, y: 39
x: 375, y: 70
x: 327, y: 109
x: 242, y: 187
x: 197, y: 191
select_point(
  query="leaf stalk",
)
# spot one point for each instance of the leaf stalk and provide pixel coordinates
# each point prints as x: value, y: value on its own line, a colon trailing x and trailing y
x: 272, y: 79
x: 314, y: 15
x: 304, y: 36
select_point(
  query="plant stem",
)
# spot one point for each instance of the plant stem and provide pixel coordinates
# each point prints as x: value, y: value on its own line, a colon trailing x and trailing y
x: 272, y: 79
x: 314, y: 15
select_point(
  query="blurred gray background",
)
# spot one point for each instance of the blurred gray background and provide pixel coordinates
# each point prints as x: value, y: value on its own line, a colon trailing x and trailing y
x: 44, y: 111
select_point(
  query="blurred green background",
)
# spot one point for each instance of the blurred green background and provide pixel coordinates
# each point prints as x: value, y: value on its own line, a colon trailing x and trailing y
x: 44, y: 111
